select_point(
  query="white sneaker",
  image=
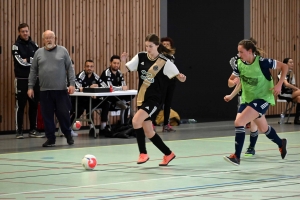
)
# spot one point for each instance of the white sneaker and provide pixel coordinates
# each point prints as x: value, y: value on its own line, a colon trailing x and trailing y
x: 59, y: 133
x: 73, y: 133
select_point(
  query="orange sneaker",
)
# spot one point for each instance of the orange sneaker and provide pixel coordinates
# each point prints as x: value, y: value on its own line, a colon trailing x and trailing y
x: 232, y: 159
x: 283, y: 150
x: 167, y: 159
x: 143, y: 158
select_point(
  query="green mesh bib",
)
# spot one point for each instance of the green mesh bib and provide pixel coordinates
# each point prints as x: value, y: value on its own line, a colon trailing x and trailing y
x: 254, y: 83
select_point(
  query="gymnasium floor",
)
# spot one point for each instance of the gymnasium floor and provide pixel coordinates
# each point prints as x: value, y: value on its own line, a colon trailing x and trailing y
x: 28, y: 171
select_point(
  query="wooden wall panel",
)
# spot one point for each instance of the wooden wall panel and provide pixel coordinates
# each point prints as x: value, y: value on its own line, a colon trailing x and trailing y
x: 96, y: 29
x: 275, y: 24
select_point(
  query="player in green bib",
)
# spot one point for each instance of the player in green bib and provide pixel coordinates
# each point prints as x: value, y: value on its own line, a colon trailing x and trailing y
x: 258, y: 93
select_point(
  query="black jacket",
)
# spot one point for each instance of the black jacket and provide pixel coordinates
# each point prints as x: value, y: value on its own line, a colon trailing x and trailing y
x: 23, y: 50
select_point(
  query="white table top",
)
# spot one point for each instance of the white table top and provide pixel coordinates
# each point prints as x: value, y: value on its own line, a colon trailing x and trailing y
x: 105, y: 94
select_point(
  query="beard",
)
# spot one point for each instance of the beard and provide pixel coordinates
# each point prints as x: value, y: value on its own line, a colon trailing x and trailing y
x: 50, y: 46
x: 114, y: 69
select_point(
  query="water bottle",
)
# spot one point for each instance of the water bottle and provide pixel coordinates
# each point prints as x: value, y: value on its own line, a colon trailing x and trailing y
x: 281, y: 118
x: 191, y: 121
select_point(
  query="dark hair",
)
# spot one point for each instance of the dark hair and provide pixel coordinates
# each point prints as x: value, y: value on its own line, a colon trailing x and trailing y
x: 167, y: 39
x: 23, y: 25
x: 251, y: 44
x: 88, y: 61
x: 161, y: 49
x: 286, y: 60
x: 253, y: 40
x: 115, y: 57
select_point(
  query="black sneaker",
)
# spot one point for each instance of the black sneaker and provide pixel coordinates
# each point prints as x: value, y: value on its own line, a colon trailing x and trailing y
x: 70, y: 140
x: 19, y: 134
x: 35, y: 134
x: 283, y: 150
x: 232, y: 159
x: 106, y: 131
x: 49, y: 143
x: 92, y: 132
x: 250, y: 152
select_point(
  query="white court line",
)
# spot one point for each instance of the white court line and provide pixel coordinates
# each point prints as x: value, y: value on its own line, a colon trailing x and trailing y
x: 225, y: 187
x: 126, y: 182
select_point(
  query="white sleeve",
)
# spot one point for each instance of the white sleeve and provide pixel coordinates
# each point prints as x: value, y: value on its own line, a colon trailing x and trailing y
x: 293, y: 80
x: 133, y: 64
x: 170, y: 69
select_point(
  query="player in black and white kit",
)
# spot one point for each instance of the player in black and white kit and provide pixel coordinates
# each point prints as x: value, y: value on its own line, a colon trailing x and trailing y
x: 154, y: 72
x: 23, y: 51
x: 169, y: 44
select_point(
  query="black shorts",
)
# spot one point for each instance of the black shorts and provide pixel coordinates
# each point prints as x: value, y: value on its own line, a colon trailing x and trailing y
x: 260, y: 105
x: 151, y: 108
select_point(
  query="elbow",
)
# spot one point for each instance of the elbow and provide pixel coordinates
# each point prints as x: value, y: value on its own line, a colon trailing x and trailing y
x: 230, y: 84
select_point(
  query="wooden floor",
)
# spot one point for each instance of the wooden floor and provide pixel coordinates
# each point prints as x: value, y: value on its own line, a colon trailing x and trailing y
x: 29, y: 171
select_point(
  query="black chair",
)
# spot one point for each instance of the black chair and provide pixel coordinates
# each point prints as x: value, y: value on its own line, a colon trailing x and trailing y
x: 288, y: 108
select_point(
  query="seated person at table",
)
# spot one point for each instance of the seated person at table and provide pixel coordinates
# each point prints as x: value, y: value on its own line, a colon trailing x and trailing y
x: 112, y: 76
x: 289, y: 91
x: 89, y: 79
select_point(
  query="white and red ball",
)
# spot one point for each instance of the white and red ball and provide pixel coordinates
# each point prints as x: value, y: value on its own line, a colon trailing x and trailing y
x: 89, y: 162
x: 76, y: 126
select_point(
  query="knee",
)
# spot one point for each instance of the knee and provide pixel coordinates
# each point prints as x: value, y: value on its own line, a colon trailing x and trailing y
x: 264, y: 129
x: 238, y: 122
x: 136, y: 123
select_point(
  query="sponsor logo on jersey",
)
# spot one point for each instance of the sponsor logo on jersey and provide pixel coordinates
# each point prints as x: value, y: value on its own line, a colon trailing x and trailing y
x: 147, y: 76
x: 249, y: 80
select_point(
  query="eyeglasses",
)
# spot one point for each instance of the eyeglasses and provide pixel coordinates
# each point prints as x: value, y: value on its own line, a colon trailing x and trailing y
x: 48, y: 38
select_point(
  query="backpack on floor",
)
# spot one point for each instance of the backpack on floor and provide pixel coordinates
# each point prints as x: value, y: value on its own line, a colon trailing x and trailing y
x: 174, y: 118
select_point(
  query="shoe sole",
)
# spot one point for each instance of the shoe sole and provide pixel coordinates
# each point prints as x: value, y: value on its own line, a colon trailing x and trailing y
x: 169, y: 131
x: 34, y: 136
x: 248, y: 155
x: 143, y: 162
x: 51, y: 145
x: 233, y: 163
x: 284, y: 143
x: 168, y: 162
x: 21, y: 137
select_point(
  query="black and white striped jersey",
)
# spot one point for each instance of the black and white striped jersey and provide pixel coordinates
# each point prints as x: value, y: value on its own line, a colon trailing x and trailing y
x: 82, y: 80
x: 114, y: 80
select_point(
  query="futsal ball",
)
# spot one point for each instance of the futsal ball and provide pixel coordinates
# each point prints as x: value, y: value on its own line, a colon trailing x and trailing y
x: 89, y: 162
x: 76, y: 126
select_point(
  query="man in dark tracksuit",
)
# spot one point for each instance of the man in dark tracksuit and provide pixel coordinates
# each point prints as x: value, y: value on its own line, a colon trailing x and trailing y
x: 23, y: 51
x: 113, y: 77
